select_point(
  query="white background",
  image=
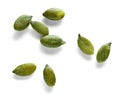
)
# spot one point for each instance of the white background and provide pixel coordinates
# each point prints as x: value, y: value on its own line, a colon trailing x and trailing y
x: 77, y: 75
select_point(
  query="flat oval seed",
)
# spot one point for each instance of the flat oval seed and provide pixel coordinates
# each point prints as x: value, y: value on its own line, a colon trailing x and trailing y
x: 103, y: 52
x: 25, y: 69
x: 51, y: 41
x: 49, y: 76
x: 85, y: 45
x: 22, y: 22
x: 39, y: 27
x: 54, y: 14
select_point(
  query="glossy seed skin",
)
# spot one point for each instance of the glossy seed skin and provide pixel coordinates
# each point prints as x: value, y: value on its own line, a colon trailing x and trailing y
x: 103, y: 52
x: 22, y: 22
x: 85, y: 45
x: 49, y: 76
x: 25, y: 69
x: 51, y: 41
x: 39, y: 27
x: 54, y: 14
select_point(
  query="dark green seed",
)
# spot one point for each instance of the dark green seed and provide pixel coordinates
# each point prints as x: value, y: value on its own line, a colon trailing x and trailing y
x: 85, y: 45
x: 51, y: 41
x: 54, y: 14
x: 25, y: 69
x: 49, y: 76
x: 103, y: 52
x: 39, y: 27
x: 22, y: 22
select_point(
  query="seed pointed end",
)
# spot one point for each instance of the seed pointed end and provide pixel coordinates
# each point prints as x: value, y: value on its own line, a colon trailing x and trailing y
x: 13, y: 71
x: 46, y: 65
x: 109, y: 43
x: 79, y: 36
x: 63, y: 42
x: 31, y: 16
x: 43, y: 14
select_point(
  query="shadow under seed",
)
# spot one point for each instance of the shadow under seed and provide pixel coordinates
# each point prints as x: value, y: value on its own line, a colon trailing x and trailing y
x: 100, y: 65
x: 46, y: 87
x: 21, y: 77
x: 51, y: 22
x: 19, y: 34
x: 50, y: 50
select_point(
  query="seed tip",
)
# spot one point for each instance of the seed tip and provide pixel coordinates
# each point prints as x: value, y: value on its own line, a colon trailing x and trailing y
x: 79, y: 35
x: 43, y: 14
x: 63, y: 42
x: 13, y: 71
x: 109, y: 43
x: 47, y: 65
x: 31, y: 16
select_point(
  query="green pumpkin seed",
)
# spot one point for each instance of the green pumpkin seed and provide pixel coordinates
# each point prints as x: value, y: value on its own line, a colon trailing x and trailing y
x: 22, y: 22
x: 54, y: 14
x: 103, y: 52
x: 39, y: 27
x: 25, y: 69
x: 51, y: 41
x: 85, y: 45
x: 49, y: 76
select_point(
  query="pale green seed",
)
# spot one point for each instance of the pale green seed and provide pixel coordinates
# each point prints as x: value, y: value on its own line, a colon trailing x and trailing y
x: 22, y: 22
x: 49, y: 76
x: 54, y: 14
x: 39, y: 27
x: 103, y: 52
x: 51, y: 41
x: 25, y: 69
x: 85, y: 45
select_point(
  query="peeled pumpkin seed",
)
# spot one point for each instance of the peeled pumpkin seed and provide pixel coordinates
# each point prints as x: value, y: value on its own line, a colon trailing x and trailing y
x: 49, y: 76
x: 54, y: 14
x: 22, y: 22
x: 39, y: 27
x: 25, y: 69
x: 85, y: 45
x: 103, y: 52
x: 52, y: 41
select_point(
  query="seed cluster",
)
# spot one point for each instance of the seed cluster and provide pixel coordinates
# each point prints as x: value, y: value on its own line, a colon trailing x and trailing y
x: 29, y: 68
x: 53, y: 41
x: 87, y: 48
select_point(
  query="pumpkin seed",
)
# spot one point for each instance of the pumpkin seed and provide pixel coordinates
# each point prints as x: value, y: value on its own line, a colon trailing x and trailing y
x: 25, y: 69
x: 22, y: 22
x: 49, y: 76
x: 52, y: 41
x: 85, y: 45
x: 103, y: 52
x: 54, y: 14
x: 39, y: 27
